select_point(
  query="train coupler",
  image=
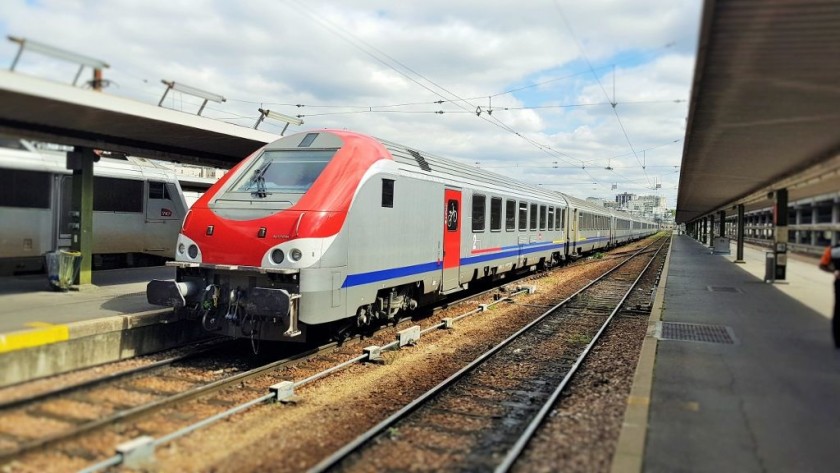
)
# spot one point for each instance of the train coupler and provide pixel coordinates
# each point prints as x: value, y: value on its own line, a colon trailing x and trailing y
x: 170, y: 293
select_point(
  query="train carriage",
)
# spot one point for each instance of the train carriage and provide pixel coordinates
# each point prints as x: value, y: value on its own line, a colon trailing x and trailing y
x: 138, y: 207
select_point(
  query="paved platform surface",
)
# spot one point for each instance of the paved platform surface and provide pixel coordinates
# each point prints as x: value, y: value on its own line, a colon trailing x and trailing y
x: 25, y: 300
x: 770, y: 401
x: 31, y: 314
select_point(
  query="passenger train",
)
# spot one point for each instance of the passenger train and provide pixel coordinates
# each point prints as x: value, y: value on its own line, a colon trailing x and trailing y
x: 338, y: 227
x: 138, y: 207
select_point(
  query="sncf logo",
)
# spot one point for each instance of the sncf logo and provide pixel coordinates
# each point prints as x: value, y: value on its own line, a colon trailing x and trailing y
x: 165, y: 213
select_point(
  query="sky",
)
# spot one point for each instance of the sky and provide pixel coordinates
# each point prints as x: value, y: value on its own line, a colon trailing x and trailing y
x: 584, y: 97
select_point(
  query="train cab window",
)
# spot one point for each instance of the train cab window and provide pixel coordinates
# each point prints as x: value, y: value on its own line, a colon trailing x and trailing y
x: 495, y: 214
x: 510, y: 215
x: 533, y: 222
x: 542, y: 217
x: 27, y: 189
x: 523, y: 216
x: 388, y: 193
x: 283, y: 171
x: 551, y: 218
x: 479, y: 207
x: 157, y: 190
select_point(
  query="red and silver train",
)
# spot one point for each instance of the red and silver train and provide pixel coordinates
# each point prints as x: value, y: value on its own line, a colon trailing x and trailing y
x: 336, y: 226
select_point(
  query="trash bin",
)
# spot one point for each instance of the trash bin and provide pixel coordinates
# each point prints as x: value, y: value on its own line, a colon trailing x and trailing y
x: 770, y: 266
x: 63, y: 268
x: 52, y: 268
x: 69, y: 263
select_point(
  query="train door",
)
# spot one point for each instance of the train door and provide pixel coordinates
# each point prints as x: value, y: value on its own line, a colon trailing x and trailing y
x: 160, y: 205
x: 163, y: 218
x: 451, y: 239
x: 573, y: 230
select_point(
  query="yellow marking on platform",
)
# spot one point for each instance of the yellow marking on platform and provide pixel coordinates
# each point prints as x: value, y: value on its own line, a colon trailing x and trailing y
x: 638, y: 400
x: 42, y: 333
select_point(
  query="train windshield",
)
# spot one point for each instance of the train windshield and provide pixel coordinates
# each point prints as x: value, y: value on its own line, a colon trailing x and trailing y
x: 284, y: 172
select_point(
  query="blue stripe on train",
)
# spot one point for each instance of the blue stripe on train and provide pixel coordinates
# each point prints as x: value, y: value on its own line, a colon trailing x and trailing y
x: 385, y: 274
x: 392, y: 273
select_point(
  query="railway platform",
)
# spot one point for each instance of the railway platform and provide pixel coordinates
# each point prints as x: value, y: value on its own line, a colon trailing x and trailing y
x: 735, y: 374
x: 44, y: 332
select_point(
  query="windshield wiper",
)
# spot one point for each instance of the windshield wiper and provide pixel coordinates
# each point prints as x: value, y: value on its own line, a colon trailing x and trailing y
x: 259, y: 179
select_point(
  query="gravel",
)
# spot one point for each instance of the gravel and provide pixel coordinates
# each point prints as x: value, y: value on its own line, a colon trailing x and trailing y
x: 332, y: 411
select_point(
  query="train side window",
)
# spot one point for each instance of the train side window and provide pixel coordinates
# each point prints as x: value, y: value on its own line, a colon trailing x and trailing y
x: 551, y: 219
x: 510, y: 215
x: 388, y: 193
x: 523, y: 216
x: 533, y: 222
x: 26, y: 189
x: 117, y: 195
x: 479, y: 207
x: 157, y: 190
x: 542, y: 217
x: 495, y: 214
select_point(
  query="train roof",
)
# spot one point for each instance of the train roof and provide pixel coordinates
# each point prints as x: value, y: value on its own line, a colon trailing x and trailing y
x: 417, y: 162
x: 420, y: 163
x: 26, y: 156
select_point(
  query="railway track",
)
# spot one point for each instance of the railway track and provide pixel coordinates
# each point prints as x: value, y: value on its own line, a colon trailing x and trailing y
x: 481, y: 418
x: 73, y: 411
x: 176, y: 386
x: 62, y: 412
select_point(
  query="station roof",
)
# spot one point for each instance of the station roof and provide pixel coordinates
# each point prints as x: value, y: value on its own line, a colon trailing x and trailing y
x: 765, y: 105
x: 41, y: 109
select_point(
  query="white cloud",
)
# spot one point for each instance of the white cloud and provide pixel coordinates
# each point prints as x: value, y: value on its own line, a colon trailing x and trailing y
x: 337, y: 57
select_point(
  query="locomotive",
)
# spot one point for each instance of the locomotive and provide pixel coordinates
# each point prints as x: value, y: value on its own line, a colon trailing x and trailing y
x: 334, y: 226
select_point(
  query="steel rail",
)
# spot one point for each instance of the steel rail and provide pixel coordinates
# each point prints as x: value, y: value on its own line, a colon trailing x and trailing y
x: 107, y: 378
x: 118, y: 459
x: 145, y: 409
x: 515, y: 451
x: 382, y: 426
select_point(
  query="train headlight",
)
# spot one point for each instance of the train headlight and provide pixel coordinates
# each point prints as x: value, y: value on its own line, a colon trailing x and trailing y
x: 192, y: 251
x: 295, y: 254
x: 181, y: 248
x: 277, y: 256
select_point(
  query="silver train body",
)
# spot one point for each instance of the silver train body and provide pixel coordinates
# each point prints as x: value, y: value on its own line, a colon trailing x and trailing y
x: 138, y: 209
x: 379, y: 228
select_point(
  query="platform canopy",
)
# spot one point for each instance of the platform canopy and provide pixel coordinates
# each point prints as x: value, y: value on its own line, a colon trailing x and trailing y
x: 45, y: 110
x: 765, y: 105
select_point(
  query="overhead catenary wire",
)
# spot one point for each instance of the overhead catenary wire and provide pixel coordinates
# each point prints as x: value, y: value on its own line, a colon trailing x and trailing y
x: 461, y: 105
x: 598, y: 80
x: 441, y: 92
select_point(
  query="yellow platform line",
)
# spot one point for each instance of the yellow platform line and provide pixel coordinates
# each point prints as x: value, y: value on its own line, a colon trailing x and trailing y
x: 42, y: 333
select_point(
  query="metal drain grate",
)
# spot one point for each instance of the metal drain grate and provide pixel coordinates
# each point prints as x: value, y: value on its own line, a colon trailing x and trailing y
x: 695, y: 333
x: 722, y: 289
